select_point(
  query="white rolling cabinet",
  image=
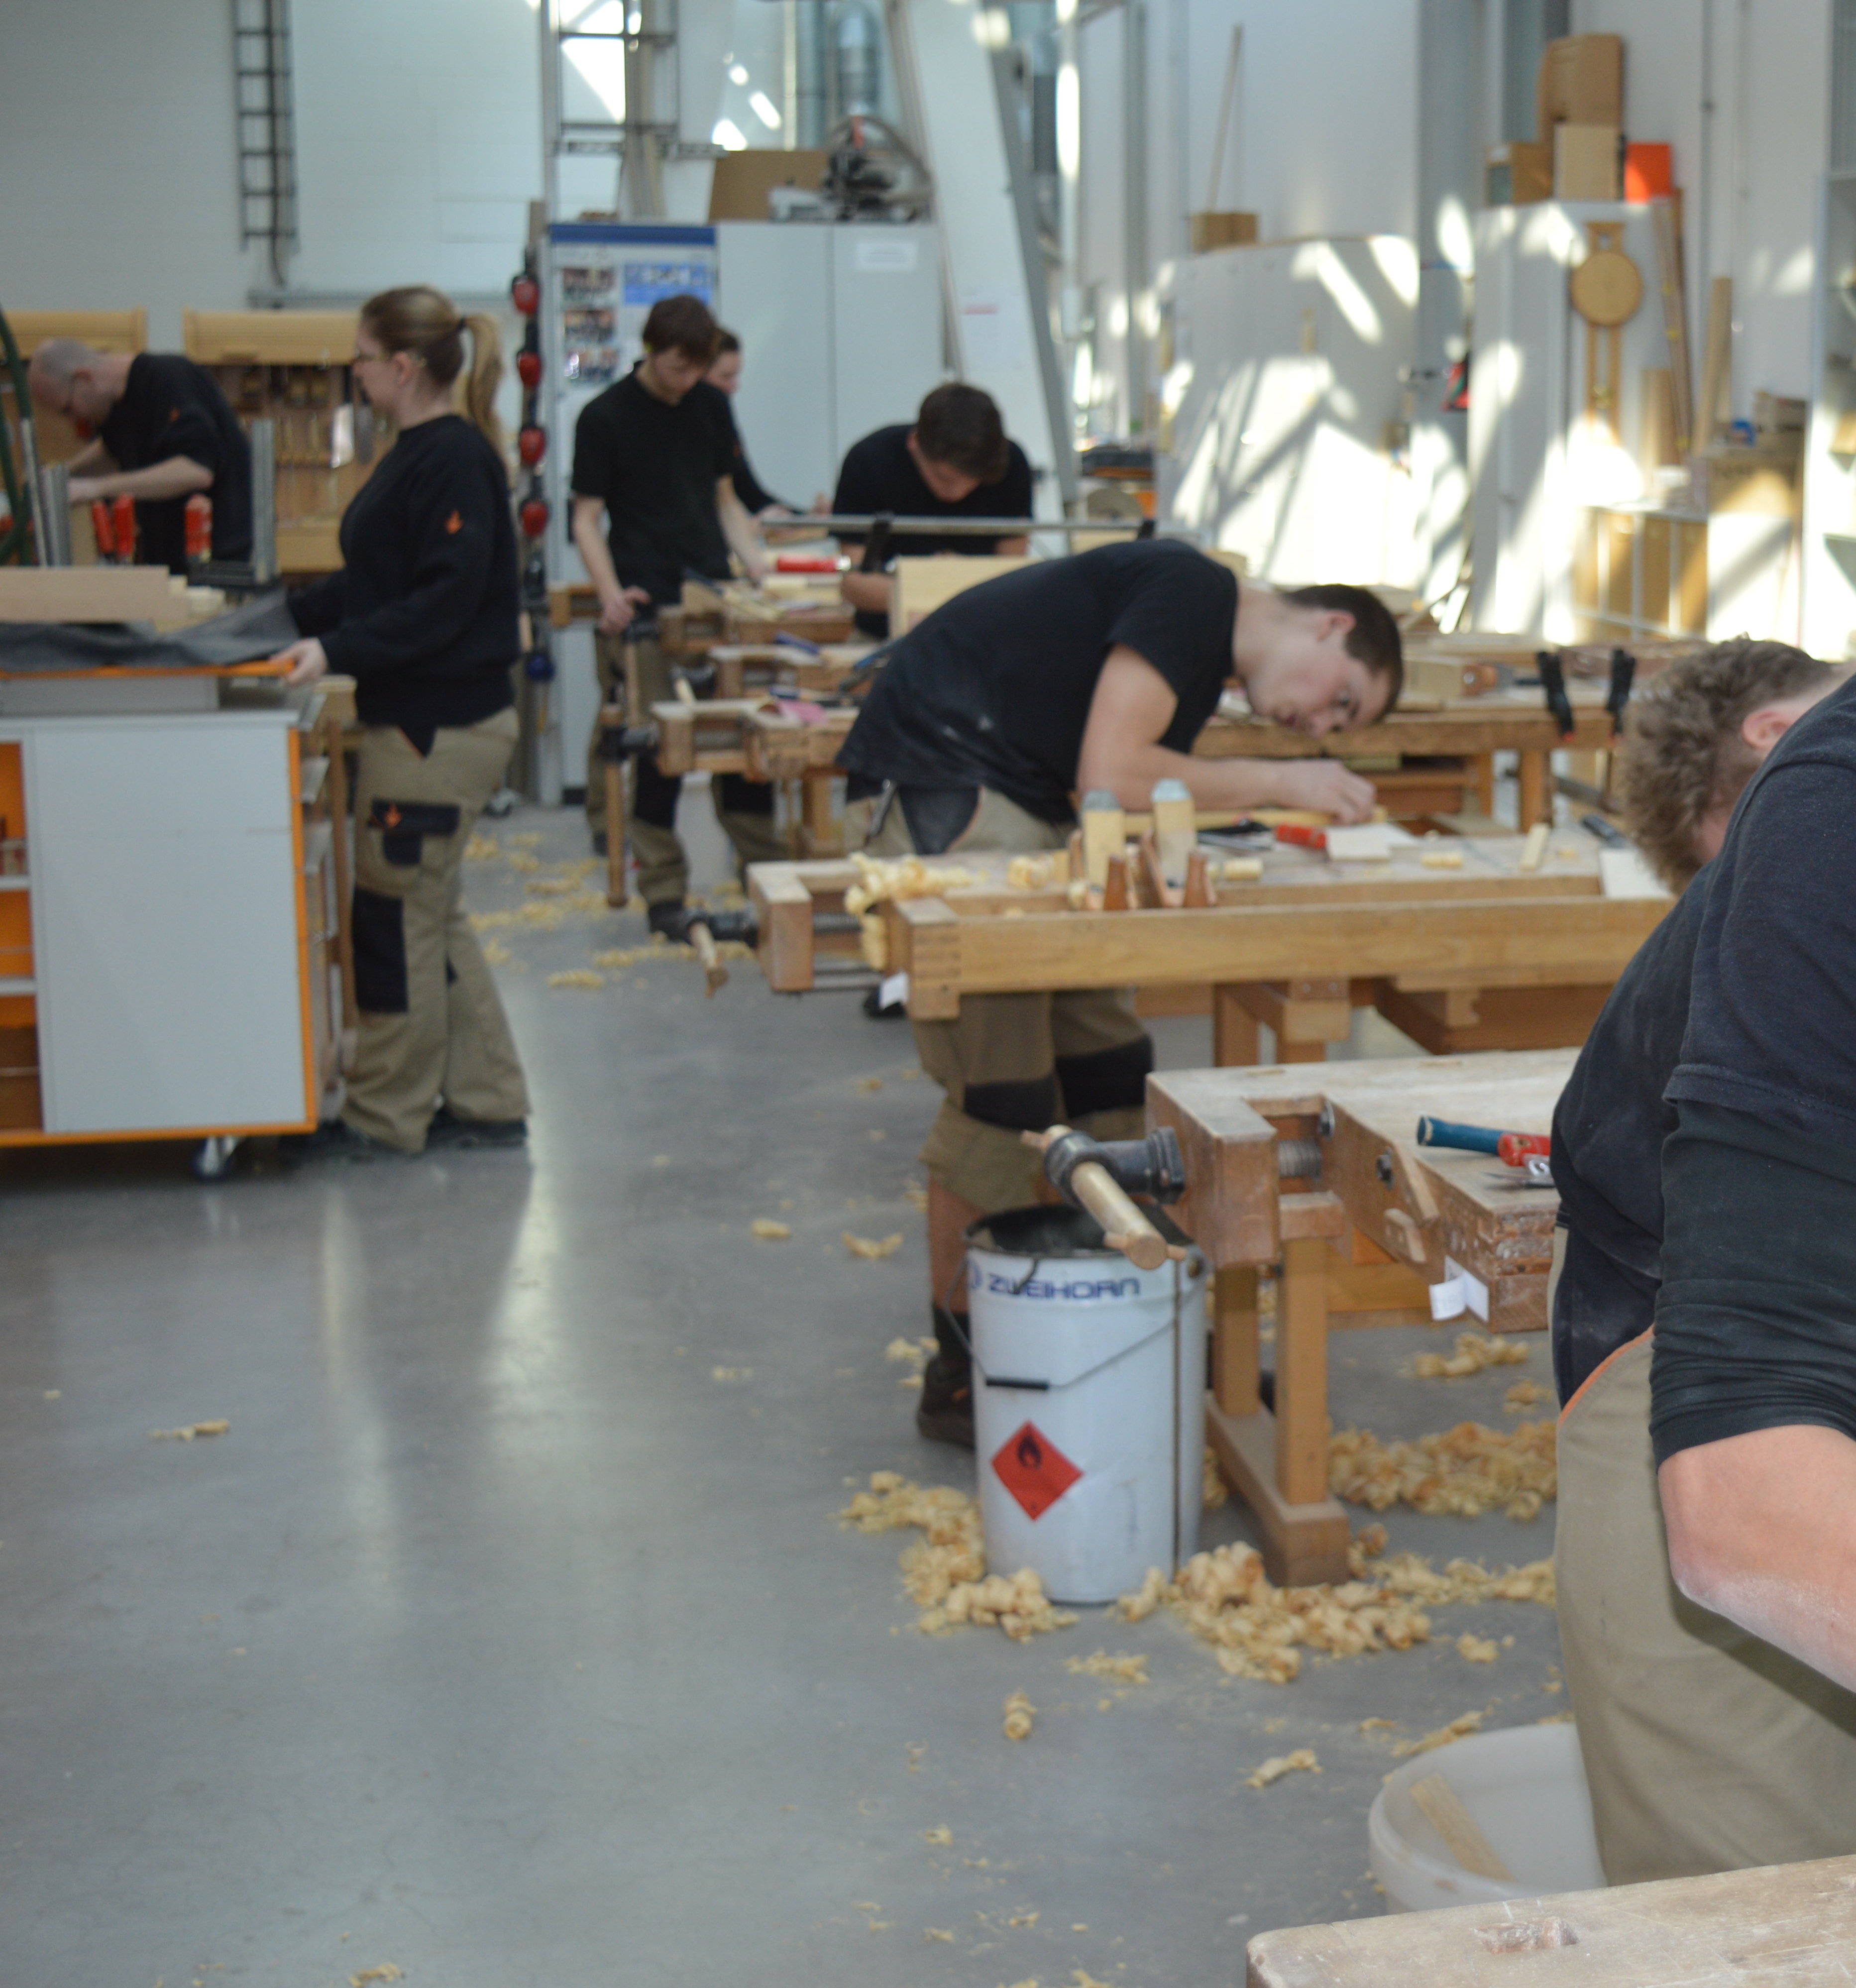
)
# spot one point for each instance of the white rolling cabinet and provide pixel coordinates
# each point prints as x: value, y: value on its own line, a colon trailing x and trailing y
x: 173, y: 969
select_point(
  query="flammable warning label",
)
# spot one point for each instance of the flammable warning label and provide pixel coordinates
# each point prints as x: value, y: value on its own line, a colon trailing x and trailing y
x: 1033, y: 1470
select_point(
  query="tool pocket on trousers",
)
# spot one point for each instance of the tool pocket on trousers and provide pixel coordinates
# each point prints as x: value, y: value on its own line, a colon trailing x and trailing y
x: 404, y: 825
x: 379, y: 929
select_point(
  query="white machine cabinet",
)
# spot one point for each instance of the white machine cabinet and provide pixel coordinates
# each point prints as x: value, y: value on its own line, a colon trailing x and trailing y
x: 166, y: 928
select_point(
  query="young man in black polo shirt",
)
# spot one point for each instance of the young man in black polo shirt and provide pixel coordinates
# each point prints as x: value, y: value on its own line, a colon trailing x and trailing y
x: 955, y: 462
x: 1713, y: 1737
x: 1068, y: 676
x: 163, y: 433
x: 655, y: 453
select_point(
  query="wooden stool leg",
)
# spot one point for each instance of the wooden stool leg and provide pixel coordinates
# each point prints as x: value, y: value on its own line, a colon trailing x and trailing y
x: 1234, y: 1038
x: 1234, y: 1342
x: 1535, y: 804
x: 1301, y: 1373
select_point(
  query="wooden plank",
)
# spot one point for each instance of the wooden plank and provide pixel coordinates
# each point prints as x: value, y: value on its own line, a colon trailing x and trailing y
x: 269, y: 338
x: 1507, y: 722
x: 95, y: 594
x: 1234, y: 1028
x: 1507, y: 1018
x: 103, y: 331
x: 1301, y: 1011
x: 1301, y: 1544
x: 1790, y: 1925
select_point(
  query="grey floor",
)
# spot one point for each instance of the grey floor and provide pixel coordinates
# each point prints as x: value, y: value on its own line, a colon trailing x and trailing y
x: 500, y: 1642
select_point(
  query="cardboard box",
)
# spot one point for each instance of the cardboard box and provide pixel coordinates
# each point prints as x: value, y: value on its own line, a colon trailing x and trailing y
x: 1581, y: 82
x: 1649, y: 172
x: 1762, y: 481
x: 743, y: 180
x: 1211, y: 231
x: 1520, y: 174
x: 1587, y: 162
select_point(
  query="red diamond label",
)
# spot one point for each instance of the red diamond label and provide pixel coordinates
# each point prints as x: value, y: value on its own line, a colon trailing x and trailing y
x: 1034, y: 1470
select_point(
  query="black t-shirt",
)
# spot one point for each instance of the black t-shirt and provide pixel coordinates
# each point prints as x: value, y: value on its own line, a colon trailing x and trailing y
x: 879, y: 474
x: 1607, y: 1135
x: 170, y: 407
x: 655, y: 466
x: 1756, y: 1322
x: 993, y: 689
x: 424, y: 615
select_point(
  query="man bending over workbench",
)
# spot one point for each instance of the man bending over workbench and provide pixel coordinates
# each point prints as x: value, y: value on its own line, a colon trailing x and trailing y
x: 1719, y: 1731
x: 1071, y: 676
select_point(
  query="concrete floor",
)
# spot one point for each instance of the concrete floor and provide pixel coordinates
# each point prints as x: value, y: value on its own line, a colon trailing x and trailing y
x: 500, y: 1642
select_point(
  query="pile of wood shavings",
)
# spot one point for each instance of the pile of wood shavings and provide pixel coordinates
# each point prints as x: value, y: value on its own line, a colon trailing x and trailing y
x: 577, y: 976
x: 945, y: 1571
x: 1302, y: 1761
x: 879, y: 882
x: 1258, y: 1630
x: 1020, y: 1712
x: 188, y: 1434
x: 1523, y: 1394
x: 1215, y: 1496
x: 1465, y: 1471
x: 1475, y: 1351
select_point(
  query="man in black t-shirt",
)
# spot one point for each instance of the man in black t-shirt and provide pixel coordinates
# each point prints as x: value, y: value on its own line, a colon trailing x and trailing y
x: 955, y: 462
x: 654, y: 456
x: 1713, y: 1737
x: 163, y: 432
x: 1065, y: 677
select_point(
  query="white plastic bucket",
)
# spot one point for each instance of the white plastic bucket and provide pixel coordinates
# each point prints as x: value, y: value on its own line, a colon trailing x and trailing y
x: 1525, y: 1787
x: 1089, y: 1384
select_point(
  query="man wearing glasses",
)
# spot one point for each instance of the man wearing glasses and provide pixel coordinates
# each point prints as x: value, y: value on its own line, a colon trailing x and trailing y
x: 160, y: 431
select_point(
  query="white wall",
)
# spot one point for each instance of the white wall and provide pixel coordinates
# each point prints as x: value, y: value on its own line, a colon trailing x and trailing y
x: 1750, y: 170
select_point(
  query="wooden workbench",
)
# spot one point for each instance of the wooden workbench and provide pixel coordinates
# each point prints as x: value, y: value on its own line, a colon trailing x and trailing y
x: 1483, y: 957
x: 1423, y: 1206
x: 1790, y: 1925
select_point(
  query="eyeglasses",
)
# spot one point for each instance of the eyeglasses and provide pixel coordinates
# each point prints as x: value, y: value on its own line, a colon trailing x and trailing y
x: 361, y: 358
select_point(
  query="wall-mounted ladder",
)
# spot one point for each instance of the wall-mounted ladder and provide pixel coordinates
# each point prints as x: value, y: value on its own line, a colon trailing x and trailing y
x: 267, y: 129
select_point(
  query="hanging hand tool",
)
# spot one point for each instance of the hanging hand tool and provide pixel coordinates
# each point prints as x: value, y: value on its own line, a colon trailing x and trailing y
x: 1099, y: 1177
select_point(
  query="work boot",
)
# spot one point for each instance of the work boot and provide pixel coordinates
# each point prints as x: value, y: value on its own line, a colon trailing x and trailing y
x: 336, y: 1139
x: 946, y: 1411
x: 446, y: 1129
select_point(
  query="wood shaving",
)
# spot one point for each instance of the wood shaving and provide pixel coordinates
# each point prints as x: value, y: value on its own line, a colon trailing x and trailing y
x: 495, y: 953
x: 521, y: 859
x: 1038, y: 873
x: 551, y: 887
x: 944, y: 1572
x: 1025, y: 1919
x: 1378, y: 1725
x: 385, y: 1972
x: 903, y: 878
x: 870, y: 1083
x: 1478, y: 1649
x: 731, y: 1373
x: 577, y: 976
x: 1080, y: 1979
x: 1441, y: 859
x: 1522, y: 1395
x: 481, y: 848
x: 916, y: 1353
x: 1555, y: 1719
x: 1302, y: 1761
x: 935, y: 1932
x: 1241, y: 869
x: 1125, y: 1669
x: 942, y: 1834
x: 915, y: 1194
x: 1475, y: 1351
x: 1259, y: 1631
x: 188, y: 1434
x: 1020, y: 1712
x: 1459, y: 1728
x: 768, y: 1230
x: 1465, y: 1471
x: 871, y: 1250
x: 1214, y: 1493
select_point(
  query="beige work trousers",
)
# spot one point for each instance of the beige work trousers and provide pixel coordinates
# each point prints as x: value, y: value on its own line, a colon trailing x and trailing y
x: 1006, y: 1038
x: 657, y: 851
x: 431, y: 1024
x: 1706, y: 1749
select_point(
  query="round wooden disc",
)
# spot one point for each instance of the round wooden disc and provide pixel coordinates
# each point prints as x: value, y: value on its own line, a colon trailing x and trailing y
x: 1607, y: 287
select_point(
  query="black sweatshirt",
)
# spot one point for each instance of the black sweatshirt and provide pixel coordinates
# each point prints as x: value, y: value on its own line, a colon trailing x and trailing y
x: 424, y: 614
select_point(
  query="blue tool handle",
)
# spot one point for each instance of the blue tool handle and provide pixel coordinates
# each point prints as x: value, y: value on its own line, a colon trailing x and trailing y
x: 1465, y: 1138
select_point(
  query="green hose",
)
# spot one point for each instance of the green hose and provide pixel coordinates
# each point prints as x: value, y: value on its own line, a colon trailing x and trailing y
x: 16, y: 539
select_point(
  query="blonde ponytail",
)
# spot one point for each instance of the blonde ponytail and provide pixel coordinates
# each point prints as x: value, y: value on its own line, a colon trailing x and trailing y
x: 424, y: 322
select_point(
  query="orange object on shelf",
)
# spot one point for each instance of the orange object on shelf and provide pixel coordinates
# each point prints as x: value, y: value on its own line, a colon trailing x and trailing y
x: 1649, y: 172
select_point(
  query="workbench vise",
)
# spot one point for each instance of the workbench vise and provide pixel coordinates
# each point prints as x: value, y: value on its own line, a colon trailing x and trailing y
x: 706, y: 932
x: 1101, y: 1177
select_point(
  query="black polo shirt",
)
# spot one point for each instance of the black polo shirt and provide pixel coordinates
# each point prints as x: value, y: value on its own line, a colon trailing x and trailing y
x: 170, y: 407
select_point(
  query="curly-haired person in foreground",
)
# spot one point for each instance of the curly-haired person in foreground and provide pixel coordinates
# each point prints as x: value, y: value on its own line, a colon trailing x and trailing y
x: 1697, y: 734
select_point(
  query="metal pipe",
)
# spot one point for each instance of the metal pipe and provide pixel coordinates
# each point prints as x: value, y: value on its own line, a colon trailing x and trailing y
x: 54, y: 495
x: 995, y: 528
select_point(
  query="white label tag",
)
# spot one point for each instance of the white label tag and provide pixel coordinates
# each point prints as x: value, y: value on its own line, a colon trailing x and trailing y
x: 1447, y: 1301
x: 894, y: 992
x: 1475, y: 1292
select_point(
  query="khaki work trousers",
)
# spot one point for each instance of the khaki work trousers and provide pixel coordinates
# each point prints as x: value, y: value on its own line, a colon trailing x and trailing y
x: 744, y: 808
x: 431, y: 1024
x: 1040, y: 1054
x: 1706, y: 1749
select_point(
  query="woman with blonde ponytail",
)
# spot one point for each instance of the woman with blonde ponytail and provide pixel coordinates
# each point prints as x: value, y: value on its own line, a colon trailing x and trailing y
x: 423, y: 616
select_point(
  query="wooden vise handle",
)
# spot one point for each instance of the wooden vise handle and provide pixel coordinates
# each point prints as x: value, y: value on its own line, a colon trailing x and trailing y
x: 1124, y: 1226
